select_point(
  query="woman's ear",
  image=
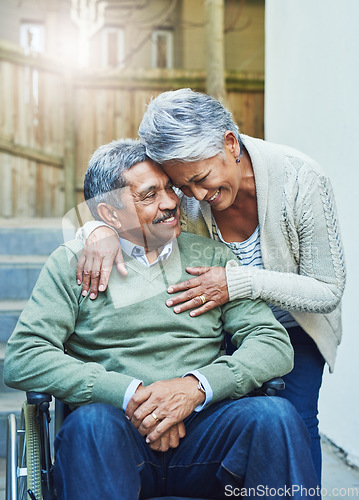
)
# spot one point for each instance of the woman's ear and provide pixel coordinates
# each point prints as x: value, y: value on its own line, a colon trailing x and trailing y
x: 231, y: 142
x: 109, y: 214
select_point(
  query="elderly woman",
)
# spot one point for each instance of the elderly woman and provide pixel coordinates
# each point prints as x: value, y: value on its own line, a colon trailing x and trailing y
x: 274, y: 208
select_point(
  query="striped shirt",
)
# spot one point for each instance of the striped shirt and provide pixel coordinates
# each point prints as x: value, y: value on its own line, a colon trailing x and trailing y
x: 249, y: 253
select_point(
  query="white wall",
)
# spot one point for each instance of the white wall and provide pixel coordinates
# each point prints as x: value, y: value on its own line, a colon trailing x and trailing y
x: 312, y: 103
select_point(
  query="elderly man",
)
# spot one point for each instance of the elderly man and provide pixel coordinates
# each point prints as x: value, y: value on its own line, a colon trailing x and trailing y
x: 167, y: 412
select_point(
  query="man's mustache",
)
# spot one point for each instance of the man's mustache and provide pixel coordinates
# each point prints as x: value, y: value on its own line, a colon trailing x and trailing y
x: 166, y: 215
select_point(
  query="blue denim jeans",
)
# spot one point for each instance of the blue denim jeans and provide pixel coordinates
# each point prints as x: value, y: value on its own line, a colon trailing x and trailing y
x: 302, y: 387
x: 253, y: 443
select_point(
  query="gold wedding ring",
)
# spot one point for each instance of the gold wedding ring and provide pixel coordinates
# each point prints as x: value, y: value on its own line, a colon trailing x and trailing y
x: 153, y: 415
x: 203, y: 299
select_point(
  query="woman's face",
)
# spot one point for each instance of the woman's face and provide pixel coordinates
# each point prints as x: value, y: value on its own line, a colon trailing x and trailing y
x: 214, y: 180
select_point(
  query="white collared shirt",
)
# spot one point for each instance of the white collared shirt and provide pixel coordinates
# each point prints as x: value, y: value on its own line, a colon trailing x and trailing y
x: 139, y: 253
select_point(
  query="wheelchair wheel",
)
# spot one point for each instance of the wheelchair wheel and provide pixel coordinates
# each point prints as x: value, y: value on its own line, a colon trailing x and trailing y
x: 23, y: 464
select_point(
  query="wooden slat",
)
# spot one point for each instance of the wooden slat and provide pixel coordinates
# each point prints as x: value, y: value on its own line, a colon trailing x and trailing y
x: 69, y: 145
x: 6, y: 185
x: 30, y: 153
x: 7, y: 89
x: 17, y: 56
x: 165, y: 79
x: 39, y: 191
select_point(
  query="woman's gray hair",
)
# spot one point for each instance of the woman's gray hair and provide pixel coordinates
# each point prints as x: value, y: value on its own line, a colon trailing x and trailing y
x: 185, y: 126
x: 104, y: 176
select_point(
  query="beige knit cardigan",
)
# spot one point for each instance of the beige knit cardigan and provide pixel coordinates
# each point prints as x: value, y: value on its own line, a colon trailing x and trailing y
x: 302, y: 252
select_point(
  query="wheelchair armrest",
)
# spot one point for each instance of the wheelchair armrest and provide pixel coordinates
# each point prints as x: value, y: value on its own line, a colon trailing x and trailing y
x: 269, y: 388
x: 272, y: 386
x: 42, y: 400
x: 37, y: 398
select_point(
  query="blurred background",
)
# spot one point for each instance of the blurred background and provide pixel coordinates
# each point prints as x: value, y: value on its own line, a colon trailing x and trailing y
x: 75, y: 74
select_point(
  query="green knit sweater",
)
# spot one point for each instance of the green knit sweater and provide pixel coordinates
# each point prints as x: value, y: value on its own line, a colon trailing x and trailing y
x: 84, y: 351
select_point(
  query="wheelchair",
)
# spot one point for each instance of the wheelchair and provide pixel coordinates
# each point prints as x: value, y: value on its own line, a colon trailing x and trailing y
x: 29, y: 460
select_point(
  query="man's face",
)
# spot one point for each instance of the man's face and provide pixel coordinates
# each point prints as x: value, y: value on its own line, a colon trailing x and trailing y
x: 151, y: 214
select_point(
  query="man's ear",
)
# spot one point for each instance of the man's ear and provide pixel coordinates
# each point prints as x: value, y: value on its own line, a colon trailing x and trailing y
x: 109, y: 214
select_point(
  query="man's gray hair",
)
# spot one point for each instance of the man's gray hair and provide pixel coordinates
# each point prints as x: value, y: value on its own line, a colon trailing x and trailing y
x: 185, y: 126
x: 104, y: 176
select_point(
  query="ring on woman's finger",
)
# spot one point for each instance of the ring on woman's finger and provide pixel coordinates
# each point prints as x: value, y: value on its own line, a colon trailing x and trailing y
x: 153, y: 415
x: 203, y: 298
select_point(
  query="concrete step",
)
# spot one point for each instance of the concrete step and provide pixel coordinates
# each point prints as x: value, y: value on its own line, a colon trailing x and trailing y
x: 24, y: 248
x: 19, y: 274
x: 30, y: 237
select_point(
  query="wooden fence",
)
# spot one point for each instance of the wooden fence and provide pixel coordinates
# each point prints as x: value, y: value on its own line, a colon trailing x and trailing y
x: 52, y: 119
